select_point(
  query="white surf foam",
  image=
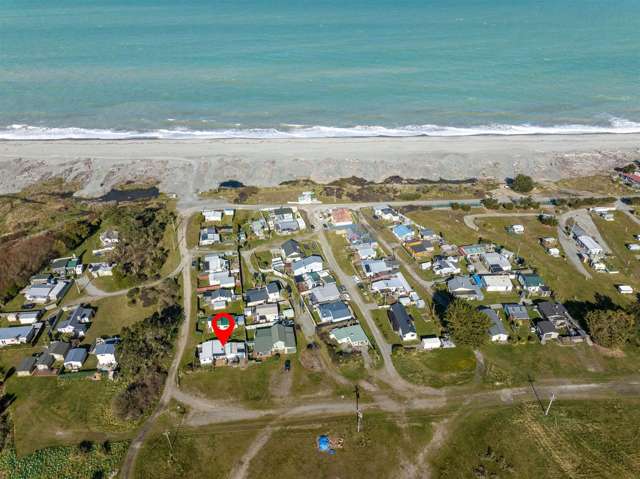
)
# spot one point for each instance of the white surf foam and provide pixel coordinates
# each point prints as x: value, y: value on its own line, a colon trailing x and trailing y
x: 27, y: 132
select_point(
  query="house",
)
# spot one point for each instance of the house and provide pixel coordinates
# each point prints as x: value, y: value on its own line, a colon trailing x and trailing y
x: 105, y: 351
x: 385, y: 212
x: 353, y: 336
x: 309, y: 264
x: 631, y: 179
x: 219, y: 298
x: 495, y: 262
x: 463, y: 287
x: 78, y: 322
x: 324, y: 294
x: 109, y: 238
x: 555, y: 312
x: 277, y: 338
x: 497, y: 283
x: 428, y: 234
x: 44, y: 278
x: 546, y: 331
x: 284, y: 220
x: 590, y: 246
x: 403, y: 232
x: 516, y: 229
x: 430, y: 343
x: 445, y: 267
x: 291, y: 251
x: 229, y: 212
x: 222, y: 279
x: 26, y: 366
x: 258, y: 227
x: 45, y: 293
x: 265, y: 313
x: 374, y: 267
x: 472, y: 250
x: 497, y: 331
x: 17, y: 335
x: 532, y: 283
x: 45, y: 362
x: 214, y: 263
x: 58, y: 349
x: 99, y: 270
x: 25, y: 317
x: 334, y: 311
x: 213, y: 351
x: 256, y: 296
x: 75, y: 358
x: 366, y: 251
x: 395, y: 284
x: 212, y: 215
x: 208, y: 236
x: 402, y: 323
x: 341, y: 217
x: 517, y: 313
x: 419, y: 249
x: 307, y: 197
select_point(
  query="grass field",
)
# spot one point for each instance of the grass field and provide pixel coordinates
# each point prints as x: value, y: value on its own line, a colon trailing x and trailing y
x: 193, y: 230
x: 339, y: 246
x: 595, y: 439
x: 515, y: 364
x: 438, y: 368
x: 54, y: 411
x: 600, y: 184
x: 382, y: 321
x: 380, y: 450
x: 112, y: 314
x: 449, y: 223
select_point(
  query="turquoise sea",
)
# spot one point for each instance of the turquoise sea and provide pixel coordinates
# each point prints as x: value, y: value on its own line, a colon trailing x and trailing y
x: 253, y: 68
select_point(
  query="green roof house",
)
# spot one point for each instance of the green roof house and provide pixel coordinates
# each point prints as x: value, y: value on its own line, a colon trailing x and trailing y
x: 277, y: 338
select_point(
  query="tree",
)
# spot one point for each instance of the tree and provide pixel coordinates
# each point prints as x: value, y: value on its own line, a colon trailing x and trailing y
x: 467, y: 325
x: 611, y: 328
x: 490, y: 203
x: 522, y: 184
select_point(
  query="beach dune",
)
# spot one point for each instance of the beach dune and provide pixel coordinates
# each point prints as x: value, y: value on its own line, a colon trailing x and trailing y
x: 188, y: 166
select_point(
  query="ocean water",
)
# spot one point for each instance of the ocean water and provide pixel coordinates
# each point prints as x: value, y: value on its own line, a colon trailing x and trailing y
x: 300, y: 68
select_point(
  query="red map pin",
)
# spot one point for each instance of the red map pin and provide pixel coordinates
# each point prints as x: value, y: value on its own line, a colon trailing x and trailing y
x: 223, y: 325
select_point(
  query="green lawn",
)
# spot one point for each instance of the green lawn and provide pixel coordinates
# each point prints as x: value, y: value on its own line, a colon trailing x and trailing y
x: 377, y: 451
x: 382, y: 321
x: 578, y: 439
x: 341, y: 252
x: 193, y: 230
x: 449, y: 223
x: 51, y: 411
x: 618, y: 234
x: 438, y: 368
x: 112, y: 314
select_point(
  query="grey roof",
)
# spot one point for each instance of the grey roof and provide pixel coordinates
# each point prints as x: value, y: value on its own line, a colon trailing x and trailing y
x: 108, y: 347
x: 76, y: 355
x: 256, y: 295
x: 266, y: 337
x: 496, y: 325
x: 550, y: 310
x: 323, y: 294
x: 400, y: 320
x: 283, y: 210
x: 517, y: 311
x: 545, y: 327
x: 219, y: 293
x: 60, y: 348
x: 464, y: 283
x: 27, y: 364
x: 334, y: 311
x: 78, y: 319
x: 287, y: 225
x: 290, y: 248
x: 46, y: 359
x: 273, y: 287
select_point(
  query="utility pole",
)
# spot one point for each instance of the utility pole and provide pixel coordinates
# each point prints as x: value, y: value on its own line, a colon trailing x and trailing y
x: 358, y: 412
x: 553, y: 397
x: 166, y: 434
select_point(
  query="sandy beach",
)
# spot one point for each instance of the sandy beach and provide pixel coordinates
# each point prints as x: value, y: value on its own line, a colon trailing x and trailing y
x: 188, y: 166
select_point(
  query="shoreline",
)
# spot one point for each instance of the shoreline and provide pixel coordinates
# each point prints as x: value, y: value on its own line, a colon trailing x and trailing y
x: 188, y: 166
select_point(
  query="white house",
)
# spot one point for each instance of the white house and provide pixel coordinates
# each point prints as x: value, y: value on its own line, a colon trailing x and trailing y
x: 497, y: 331
x: 366, y: 251
x: 386, y: 213
x: 497, y: 283
x: 222, y: 279
x: 99, y: 270
x: 353, y: 336
x: 210, y: 351
x: 396, y: 283
x: 324, y: 293
x: 495, y: 262
x: 43, y: 293
x: 208, y: 236
x: 17, y: 335
x: 212, y: 215
x: 214, y: 263
x: 265, y: 313
x: 309, y: 264
x: 443, y: 267
x: 229, y: 212
x: 105, y: 351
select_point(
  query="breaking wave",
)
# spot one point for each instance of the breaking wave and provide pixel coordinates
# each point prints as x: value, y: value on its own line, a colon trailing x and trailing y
x: 27, y: 132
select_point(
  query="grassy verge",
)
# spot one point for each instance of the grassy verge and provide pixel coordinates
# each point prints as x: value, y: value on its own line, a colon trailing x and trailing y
x: 578, y: 439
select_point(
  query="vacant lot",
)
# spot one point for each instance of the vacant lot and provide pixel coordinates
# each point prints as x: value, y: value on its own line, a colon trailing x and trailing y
x: 448, y: 223
x: 438, y: 368
x: 385, y: 447
x: 595, y: 439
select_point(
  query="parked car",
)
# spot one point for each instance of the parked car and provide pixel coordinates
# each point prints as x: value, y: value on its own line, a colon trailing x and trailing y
x: 287, y: 365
